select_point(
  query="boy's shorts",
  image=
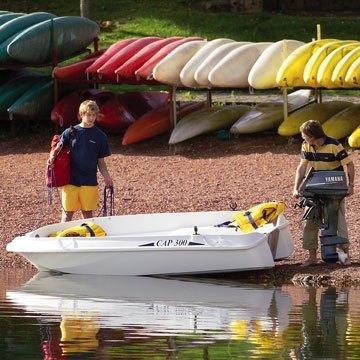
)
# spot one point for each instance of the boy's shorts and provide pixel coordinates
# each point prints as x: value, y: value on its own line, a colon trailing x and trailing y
x: 80, y: 198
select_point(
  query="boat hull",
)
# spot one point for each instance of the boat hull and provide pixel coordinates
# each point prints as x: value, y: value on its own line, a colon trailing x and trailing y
x: 173, y: 246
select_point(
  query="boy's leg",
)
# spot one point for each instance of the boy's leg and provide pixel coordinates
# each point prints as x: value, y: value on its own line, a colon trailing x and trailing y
x: 67, y: 216
x: 89, y: 199
x: 310, y: 241
x: 87, y: 214
x: 70, y: 202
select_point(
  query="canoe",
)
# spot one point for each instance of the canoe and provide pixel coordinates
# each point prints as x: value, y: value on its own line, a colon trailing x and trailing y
x: 187, y: 73
x: 168, y: 70
x: 268, y: 116
x: 21, y: 23
x: 127, y: 69
x: 339, y: 74
x: 76, y: 70
x: 107, y: 70
x: 13, y: 89
x: 202, y: 73
x: 263, y: 73
x: 354, y: 138
x: 7, y: 17
x: 72, y: 34
x: 146, y: 70
x: 165, y: 243
x: 329, y: 64
x: 205, y: 121
x: 10, y: 30
x: 233, y: 70
x: 291, y: 72
x: 112, y: 50
x: 320, y: 112
x: 36, y: 101
x: 343, y: 123
x: 156, y: 122
x: 313, y: 64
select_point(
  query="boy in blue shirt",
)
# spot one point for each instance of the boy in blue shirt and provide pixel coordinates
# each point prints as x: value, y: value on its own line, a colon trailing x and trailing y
x: 89, y: 147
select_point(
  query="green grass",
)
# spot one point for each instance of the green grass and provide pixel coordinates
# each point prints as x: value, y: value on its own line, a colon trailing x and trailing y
x: 121, y: 19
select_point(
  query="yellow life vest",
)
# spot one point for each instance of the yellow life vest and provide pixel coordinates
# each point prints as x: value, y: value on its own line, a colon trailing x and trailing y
x: 88, y: 229
x: 257, y: 216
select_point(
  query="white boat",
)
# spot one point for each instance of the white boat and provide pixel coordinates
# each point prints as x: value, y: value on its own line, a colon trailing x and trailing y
x: 150, y: 244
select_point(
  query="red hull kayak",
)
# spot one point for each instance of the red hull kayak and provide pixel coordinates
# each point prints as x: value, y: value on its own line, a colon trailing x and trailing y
x: 156, y: 122
x: 145, y: 70
x: 127, y: 70
x: 108, y: 54
x: 76, y: 70
x: 107, y: 71
x: 117, y: 111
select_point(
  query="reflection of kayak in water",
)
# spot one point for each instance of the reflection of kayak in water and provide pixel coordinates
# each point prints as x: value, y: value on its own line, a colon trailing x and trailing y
x: 154, y: 303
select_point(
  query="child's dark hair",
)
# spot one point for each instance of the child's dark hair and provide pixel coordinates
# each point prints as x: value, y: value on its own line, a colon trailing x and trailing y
x: 313, y: 129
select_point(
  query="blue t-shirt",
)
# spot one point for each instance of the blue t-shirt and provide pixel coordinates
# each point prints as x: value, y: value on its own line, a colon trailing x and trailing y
x: 88, y: 145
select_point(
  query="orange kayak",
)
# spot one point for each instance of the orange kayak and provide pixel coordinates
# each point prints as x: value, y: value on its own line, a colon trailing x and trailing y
x: 157, y: 122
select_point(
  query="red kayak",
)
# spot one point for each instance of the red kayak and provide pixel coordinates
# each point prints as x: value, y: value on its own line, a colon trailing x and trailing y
x: 107, y: 71
x: 128, y: 68
x: 157, y: 122
x: 145, y: 70
x: 76, y: 70
x: 117, y: 111
x: 112, y: 50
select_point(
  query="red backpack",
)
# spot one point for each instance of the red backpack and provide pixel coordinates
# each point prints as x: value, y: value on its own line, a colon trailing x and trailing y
x: 58, y: 174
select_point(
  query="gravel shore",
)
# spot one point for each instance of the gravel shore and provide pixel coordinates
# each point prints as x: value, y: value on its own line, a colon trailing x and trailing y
x: 205, y: 173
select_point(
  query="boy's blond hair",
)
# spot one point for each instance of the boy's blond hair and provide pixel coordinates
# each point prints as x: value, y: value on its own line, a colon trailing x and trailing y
x: 88, y: 106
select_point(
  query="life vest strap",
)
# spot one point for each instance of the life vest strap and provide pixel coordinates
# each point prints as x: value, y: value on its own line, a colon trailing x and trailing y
x: 89, y: 229
x: 251, y: 219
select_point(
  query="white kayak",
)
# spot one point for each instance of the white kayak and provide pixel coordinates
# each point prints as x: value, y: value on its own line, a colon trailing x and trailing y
x: 268, y: 116
x: 165, y: 243
x: 233, y: 70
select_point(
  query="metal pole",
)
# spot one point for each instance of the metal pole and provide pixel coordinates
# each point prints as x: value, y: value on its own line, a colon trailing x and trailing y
x: 286, y: 110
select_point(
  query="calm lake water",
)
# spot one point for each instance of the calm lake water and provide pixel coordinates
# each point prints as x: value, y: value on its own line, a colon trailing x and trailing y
x: 112, y: 317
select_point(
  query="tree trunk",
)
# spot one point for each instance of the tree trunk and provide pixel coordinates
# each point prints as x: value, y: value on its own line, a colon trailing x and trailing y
x: 85, y: 8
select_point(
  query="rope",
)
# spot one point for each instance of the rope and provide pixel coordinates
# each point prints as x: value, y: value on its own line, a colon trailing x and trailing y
x: 108, y: 196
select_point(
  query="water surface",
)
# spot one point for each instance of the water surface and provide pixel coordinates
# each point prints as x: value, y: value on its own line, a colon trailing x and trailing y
x: 125, y: 317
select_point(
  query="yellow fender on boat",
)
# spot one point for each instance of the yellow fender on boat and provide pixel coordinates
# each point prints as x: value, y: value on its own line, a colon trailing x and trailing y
x: 257, y: 216
x: 88, y: 229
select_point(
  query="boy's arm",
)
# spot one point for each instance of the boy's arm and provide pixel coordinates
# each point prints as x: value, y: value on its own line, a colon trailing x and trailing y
x: 104, y: 172
x: 53, y: 154
x: 299, y: 176
x: 351, y: 176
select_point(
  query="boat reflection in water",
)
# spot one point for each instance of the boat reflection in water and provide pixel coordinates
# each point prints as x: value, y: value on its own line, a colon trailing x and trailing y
x: 129, y: 317
x: 122, y: 314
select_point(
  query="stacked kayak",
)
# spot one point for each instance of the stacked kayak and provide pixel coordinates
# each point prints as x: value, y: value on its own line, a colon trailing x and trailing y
x: 117, y: 111
x: 36, y: 38
x: 320, y: 112
x: 268, y: 116
x: 326, y: 63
